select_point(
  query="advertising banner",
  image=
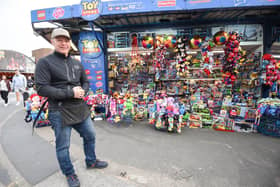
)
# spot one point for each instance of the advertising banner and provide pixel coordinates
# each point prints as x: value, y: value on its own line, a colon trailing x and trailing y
x: 126, y: 6
x: 159, y: 5
x: 92, y: 9
x: 51, y: 14
x: 93, y: 60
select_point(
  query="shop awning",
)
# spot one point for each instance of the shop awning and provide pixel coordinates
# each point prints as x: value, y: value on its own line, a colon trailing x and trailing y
x: 173, y: 18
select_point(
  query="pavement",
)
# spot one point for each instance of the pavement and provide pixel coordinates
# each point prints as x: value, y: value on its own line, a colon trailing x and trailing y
x: 138, y: 155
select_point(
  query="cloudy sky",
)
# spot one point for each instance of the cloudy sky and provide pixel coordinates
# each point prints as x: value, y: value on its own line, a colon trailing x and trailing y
x: 16, y: 31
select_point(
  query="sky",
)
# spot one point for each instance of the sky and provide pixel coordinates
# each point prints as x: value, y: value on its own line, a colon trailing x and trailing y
x: 16, y: 30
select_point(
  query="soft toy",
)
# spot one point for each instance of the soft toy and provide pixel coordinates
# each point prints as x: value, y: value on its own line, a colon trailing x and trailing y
x: 170, y: 114
x: 128, y: 110
x: 140, y: 110
x: 152, y: 112
x: 35, y: 107
x: 232, y: 56
x: 113, y: 108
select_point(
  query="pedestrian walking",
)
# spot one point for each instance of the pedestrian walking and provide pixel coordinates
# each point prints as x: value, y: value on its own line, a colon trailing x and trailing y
x: 5, y: 88
x: 19, y: 85
x: 62, y: 79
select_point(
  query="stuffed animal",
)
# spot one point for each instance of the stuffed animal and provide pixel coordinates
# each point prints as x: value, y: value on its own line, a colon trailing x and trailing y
x: 35, y: 105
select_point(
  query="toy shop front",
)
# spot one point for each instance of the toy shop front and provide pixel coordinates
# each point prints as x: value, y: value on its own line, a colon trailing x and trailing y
x: 177, y: 64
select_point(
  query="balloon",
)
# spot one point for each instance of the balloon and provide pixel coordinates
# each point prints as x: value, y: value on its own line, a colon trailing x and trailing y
x: 147, y: 42
x: 220, y: 38
x: 195, y: 42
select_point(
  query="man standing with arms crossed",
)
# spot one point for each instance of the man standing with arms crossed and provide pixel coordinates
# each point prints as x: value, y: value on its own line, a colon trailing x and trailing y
x: 63, y: 80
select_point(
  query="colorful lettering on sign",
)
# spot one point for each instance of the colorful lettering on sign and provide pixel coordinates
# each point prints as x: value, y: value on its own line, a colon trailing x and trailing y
x: 58, y: 13
x: 41, y: 14
x: 87, y: 71
x: 99, y: 84
x: 99, y: 77
x: 98, y: 72
x: 90, y: 46
x: 90, y: 8
x: 166, y: 3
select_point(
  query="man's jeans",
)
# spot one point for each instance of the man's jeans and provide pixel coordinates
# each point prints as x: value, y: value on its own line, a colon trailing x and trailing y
x: 63, y: 136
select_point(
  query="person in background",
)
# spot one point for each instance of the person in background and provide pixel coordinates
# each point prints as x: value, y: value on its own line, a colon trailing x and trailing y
x: 62, y: 79
x: 30, y: 83
x: 19, y: 85
x: 5, y: 89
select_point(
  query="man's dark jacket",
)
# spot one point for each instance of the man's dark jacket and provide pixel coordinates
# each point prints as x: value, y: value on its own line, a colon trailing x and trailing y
x: 56, y: 75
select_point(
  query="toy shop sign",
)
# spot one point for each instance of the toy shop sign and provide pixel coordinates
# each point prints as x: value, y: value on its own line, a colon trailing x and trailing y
x: 93, y: 60
x: 63, y: 12
x: 90, y: 46
x: 91, y: 9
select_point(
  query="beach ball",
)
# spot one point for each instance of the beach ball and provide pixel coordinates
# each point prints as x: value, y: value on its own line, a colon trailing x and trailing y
x: 170, y: 41
x: 220, y: 38
x: 147, y: 42
x: 195, y: 42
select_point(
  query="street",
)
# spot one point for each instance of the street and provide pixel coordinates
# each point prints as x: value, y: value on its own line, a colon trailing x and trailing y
x: 138, y: 155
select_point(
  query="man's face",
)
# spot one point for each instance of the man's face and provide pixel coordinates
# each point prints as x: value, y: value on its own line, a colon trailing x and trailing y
x: 17, y: 72
x: 61, y: 44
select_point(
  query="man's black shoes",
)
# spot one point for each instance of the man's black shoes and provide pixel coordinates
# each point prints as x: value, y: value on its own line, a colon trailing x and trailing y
x: 98, y: 165
x: 73, y: 180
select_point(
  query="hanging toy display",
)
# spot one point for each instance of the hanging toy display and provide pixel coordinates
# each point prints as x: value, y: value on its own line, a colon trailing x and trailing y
x: 182, y: 59
x: 147, y: 42
x: 270, y: 70
x: 195, y: 42
x: 159, y: 41
x: 206, y: 46
x: 208, y: 65
x: 169, y: 41
x: 220, y: 38
x: 159, y: 61
x: 136, y: 60
x: 232, y: 57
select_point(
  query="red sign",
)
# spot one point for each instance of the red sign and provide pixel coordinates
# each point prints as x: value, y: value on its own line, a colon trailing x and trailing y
x: 99, y: 77
x: 91, y: 50
x: 87, y: 71
x: 166, y: 3
x: 41, y: 14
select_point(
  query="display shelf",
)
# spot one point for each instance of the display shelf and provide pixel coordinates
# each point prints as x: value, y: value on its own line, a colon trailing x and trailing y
x: 129, y: 50
x: 215, y: 67
x: 195, y: 79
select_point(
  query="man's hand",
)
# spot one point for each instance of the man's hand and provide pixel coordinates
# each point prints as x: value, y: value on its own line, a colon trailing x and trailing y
x: 79, y: 92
